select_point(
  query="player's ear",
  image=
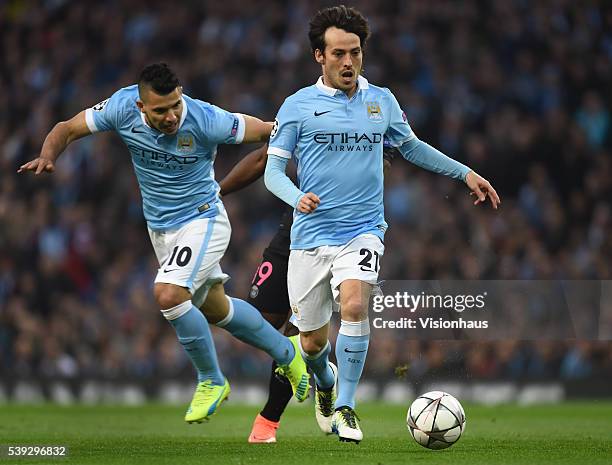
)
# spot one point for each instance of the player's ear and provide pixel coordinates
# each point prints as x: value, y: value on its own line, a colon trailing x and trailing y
x: 140, y: 105
x: 319, y: 56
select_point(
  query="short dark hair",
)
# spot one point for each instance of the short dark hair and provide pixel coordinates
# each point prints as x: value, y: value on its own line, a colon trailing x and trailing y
x: 342, y: 17
x: 158, y: 77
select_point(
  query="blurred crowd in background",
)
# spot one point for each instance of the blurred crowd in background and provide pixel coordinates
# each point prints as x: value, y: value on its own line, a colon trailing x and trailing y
x: 518, y: 90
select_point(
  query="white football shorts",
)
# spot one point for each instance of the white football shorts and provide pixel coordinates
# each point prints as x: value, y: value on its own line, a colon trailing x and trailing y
x: 314, y: 277
x: 189, y: 256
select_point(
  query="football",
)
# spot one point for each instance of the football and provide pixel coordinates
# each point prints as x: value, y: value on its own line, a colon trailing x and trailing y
x: 436, y: 420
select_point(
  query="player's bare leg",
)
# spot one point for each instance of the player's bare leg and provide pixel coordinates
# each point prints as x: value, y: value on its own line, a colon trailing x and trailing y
x: 351, y: 350
x: 216, y: 306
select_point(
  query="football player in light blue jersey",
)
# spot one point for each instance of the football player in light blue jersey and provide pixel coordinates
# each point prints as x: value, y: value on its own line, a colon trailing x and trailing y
x: 173, y: 140
x: 334, y: 129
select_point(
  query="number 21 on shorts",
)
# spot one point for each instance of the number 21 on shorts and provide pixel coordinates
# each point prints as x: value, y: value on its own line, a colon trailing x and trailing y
x: 370, y: 261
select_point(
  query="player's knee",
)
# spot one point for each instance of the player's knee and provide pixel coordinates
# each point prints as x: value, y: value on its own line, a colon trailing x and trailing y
x: 170, y: 295
x: 354, y: 310
x: 216, y: 306
x: 312, y: 345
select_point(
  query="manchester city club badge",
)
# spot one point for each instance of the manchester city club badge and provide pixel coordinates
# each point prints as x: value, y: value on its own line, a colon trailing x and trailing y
x: 185, y: 143
x: 374, y: 111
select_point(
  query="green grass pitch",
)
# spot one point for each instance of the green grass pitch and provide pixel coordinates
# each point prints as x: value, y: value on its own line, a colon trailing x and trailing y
x: 571, y: 433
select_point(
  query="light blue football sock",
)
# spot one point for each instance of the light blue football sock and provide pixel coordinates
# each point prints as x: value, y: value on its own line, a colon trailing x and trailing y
x: 246, y: 323
x: 194, y: 335
x: 319, y: 365
x: 351, y: 351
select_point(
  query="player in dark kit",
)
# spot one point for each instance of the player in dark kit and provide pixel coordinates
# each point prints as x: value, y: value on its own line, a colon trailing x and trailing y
x: 269, y: 295
x: 268, y: 292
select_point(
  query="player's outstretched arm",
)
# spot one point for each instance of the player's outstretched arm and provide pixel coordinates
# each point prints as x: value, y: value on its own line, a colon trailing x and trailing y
x: 246, y: 171
x: 424, y: 155
x: 62, y: 134
x: 256, y: 130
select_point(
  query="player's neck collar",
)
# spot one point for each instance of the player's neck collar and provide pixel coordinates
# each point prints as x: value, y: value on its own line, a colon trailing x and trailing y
x: 362, y: 84
x: 183, y: 115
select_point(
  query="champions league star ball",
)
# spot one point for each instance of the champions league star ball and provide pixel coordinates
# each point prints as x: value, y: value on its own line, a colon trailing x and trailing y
x: 436, y: 420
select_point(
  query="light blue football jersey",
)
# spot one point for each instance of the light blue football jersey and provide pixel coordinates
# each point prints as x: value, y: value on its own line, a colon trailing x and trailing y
x: 174, y: 172
x: 337, y: 143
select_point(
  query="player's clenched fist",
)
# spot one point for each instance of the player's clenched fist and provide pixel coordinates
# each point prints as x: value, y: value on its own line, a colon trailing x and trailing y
x: 38, y: 165
x: 308, y: 203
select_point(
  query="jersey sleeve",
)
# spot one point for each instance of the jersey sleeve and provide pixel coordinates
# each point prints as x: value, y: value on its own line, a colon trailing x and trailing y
x: 399, y: 131
x: 222, y: 127
x: 389, y: 151
x: 279, y: 183
x: 106, y: 115
x: 284, y: 136
x: 400, y: 135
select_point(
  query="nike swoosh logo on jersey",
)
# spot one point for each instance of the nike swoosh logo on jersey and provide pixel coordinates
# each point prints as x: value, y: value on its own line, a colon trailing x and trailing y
x: 168, y: 271
x: 136, y: 131
x: 353, y: 351
x: 321, y: 113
